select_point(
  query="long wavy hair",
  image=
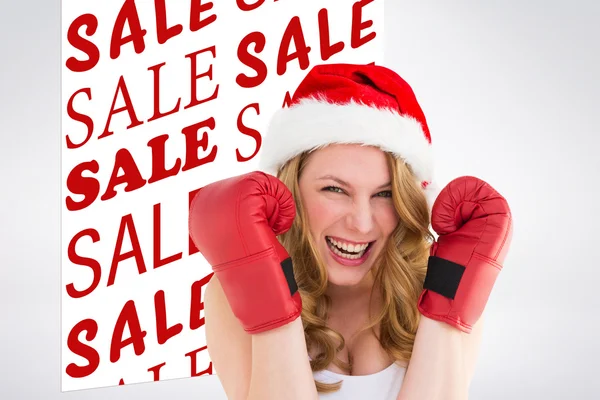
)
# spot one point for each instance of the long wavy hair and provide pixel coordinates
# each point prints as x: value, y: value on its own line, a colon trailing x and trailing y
x: 398, y: 273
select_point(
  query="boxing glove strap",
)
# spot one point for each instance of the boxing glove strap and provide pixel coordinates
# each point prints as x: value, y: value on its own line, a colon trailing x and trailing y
x: 443, y: 276
x: 288, y: 271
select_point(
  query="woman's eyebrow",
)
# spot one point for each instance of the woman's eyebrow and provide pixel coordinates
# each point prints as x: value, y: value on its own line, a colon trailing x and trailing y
x: 333, y: 178
x: 344, y: 183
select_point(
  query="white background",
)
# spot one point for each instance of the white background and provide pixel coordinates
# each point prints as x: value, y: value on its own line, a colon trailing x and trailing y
x: 510, y: 89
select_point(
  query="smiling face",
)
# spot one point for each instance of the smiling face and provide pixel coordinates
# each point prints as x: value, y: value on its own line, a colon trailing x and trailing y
x: 346, y: 194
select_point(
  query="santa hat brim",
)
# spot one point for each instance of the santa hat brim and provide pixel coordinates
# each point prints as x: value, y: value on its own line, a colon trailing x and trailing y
x: 314, y: 123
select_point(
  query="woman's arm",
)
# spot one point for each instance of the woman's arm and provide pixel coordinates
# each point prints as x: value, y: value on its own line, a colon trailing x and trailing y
x: 229, y: 347
x: 442, y: 362
x: 474, y: 224
x: 252, y: 305
x: 268, y: 365
x: 281, y: 369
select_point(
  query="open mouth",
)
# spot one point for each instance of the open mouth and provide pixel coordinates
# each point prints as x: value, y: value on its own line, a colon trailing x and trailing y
x: 346, y: 250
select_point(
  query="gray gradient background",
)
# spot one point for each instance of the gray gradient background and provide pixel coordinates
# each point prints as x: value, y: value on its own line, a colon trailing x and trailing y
x: 511, y: 91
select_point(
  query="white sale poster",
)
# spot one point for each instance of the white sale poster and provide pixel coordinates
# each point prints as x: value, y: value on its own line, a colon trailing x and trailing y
x: 160, y: 98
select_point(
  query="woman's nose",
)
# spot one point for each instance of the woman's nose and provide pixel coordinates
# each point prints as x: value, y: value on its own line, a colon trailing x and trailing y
x: 360, y: 217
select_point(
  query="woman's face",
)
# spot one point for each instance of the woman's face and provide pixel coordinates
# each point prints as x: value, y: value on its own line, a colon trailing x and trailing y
x: 346, y: 193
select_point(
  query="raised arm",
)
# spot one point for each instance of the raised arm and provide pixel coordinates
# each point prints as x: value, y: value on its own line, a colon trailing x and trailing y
x: 442, y: 363
x: 474, y: 224
x: 252, y: 304
x: 268, y: 365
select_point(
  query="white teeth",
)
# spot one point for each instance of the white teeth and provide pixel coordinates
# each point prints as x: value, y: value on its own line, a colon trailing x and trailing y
x: 359, y: 249
x: 349, y: 256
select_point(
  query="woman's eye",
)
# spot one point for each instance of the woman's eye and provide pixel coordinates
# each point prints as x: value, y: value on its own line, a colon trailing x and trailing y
x: 386, y: 193
x: 333, y: 189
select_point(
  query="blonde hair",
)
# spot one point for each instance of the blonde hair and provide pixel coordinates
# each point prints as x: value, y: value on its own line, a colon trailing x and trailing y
x: 398, y: 273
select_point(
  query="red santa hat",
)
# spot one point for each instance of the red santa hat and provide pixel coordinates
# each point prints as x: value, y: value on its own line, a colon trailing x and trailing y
x: 351, y: 104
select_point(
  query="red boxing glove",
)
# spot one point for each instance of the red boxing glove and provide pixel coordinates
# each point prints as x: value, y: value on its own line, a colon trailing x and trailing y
x: 474, y: 225
x: 234, y: 224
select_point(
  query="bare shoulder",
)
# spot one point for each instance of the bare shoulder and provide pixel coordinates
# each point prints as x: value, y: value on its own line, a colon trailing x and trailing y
x: 229, y: 346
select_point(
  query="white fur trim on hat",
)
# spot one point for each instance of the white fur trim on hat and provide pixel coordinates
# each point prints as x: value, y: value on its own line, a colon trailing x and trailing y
x: 315, y: 123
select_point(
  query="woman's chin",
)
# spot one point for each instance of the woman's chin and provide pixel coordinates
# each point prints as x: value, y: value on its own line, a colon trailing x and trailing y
x: 346, y: 277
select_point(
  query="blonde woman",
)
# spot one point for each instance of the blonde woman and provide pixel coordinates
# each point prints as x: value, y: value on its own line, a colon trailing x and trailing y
x: 328, y: 282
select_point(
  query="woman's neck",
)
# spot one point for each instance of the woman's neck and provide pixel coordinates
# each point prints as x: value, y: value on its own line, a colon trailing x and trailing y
x: 363, y: 286
x: 356, y: 296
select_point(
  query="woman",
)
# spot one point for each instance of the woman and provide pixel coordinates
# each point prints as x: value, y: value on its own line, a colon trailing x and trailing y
x: 326, y: 281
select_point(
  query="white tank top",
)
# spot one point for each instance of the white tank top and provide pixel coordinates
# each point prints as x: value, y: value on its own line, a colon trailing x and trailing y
x: 383, y: 385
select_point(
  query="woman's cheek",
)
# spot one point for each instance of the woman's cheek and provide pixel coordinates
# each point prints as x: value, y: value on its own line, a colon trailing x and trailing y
x: 387, y: 217
x: 322, y: 208
x: 324, y: 211
x: 314, y: 212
